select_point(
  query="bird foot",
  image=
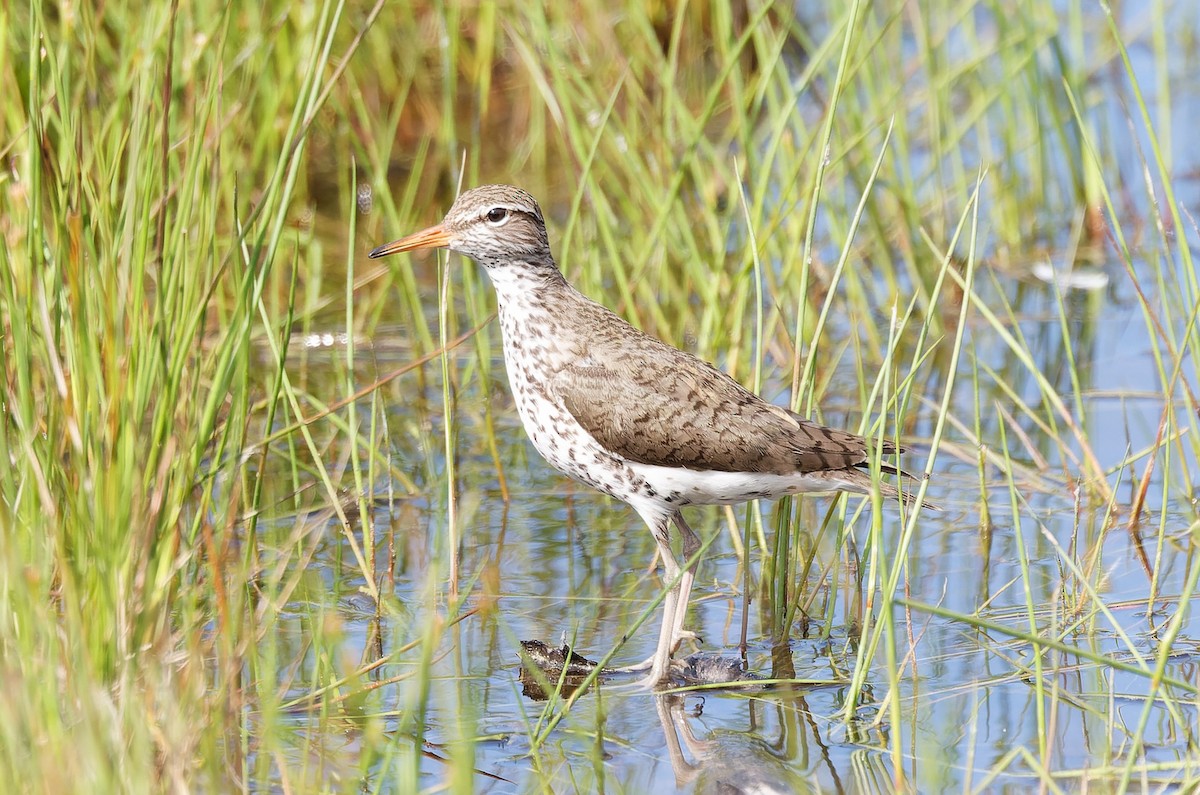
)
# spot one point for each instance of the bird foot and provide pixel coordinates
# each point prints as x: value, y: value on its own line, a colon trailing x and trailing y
x: 681, y: 636
x: 637, y: 668
x: 648, y: 663
x: 653, y: 680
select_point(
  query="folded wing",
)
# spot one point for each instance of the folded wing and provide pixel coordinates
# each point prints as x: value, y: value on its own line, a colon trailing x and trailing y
x: 657, y: 405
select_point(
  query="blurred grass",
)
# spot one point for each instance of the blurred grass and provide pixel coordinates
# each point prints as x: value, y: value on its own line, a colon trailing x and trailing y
x: 181, y: 201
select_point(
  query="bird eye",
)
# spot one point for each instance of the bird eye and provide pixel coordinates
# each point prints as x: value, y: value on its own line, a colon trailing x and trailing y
x: 496, y: 215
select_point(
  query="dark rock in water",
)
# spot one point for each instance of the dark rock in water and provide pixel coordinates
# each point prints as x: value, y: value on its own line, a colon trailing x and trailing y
x: 553, y: 665
x: 713, y: 669
x: 542, y: 664
x: 555, y: 660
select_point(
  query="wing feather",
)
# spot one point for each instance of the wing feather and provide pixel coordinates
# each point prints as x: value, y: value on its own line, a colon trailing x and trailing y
x: 654, y: 404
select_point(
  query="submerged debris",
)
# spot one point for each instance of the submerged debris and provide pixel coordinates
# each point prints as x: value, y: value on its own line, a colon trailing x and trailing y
x: 553, y: 661
x: 543, y: 665
x: 713, y: 669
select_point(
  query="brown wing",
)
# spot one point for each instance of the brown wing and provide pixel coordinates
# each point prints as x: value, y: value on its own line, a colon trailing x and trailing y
x: 658, y: 405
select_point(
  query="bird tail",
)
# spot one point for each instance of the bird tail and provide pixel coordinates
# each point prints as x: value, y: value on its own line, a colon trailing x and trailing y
x: 858, y: 481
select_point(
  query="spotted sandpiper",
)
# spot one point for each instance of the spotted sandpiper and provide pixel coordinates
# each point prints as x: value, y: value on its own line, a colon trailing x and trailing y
x: 627, y: 414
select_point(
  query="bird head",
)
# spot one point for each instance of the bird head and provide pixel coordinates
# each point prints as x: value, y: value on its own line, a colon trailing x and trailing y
x: 495, y: 225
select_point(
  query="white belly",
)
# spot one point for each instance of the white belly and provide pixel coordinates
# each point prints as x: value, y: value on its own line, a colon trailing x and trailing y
x: 710, y: 487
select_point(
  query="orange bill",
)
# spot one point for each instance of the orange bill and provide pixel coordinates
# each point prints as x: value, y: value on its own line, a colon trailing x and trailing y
x: 433, y: 237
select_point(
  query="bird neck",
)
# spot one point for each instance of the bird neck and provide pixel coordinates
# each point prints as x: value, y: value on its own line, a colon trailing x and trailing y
x: 538, y: 313
x: 516, y: 282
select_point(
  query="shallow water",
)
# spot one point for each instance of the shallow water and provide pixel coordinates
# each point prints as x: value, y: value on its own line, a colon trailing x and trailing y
x: 560, y: 563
